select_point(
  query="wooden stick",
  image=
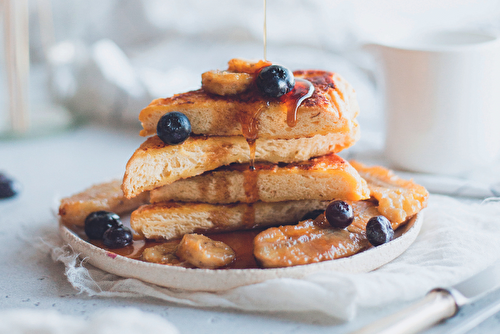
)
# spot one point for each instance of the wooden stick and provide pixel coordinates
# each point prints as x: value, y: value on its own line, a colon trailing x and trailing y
x: 16, y: 36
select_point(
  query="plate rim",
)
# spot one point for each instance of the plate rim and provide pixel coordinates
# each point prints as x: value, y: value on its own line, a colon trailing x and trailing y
x: 213, y: 280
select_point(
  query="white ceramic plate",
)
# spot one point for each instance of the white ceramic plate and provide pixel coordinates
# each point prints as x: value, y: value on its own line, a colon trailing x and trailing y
x: 223, y: 279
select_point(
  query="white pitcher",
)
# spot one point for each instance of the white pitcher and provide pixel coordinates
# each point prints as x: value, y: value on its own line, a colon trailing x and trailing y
x: 442, y: 101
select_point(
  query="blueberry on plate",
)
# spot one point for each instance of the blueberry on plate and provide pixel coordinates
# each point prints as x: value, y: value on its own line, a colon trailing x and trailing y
x: 312, y: 215
x: 275, y: 81
x: 339, y: 214
x: 117, y: 237
x: 379, y: 230
x: 99, y: 222
x: 173, y: 128
x: 8, y: 187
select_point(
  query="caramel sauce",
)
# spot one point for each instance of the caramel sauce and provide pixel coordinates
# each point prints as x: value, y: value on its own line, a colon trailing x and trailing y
x: 242, y: 244
x: 247, y: 115
x: 251, y: 176
x: 240, y: 241
x: 133, y: 251
x: 303, y: 89
x: 252, y: 146
x: 249, y: 216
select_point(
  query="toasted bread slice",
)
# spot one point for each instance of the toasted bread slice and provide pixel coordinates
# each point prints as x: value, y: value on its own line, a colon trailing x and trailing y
x: 323, y: 178
x: 105, y: 196
x: 172, y: 220
x: 398, y: 199
x: 331, y: 109
x: 155, y: 164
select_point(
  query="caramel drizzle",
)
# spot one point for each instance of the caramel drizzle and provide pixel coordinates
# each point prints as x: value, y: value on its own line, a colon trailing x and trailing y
x: 248, y: 115
x: 249, y: 216
x: 250, y: 185
x: 250, y: 127
x: 302, y: 90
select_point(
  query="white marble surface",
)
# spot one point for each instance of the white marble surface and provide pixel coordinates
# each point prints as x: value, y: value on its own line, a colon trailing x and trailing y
x: 59, y: 165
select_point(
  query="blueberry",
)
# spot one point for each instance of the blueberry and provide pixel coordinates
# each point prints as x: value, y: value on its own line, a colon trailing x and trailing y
x: 339, y: 214
x: 312, y: 215
x: 173, y: 128
x: 379, y: 230
x: 8, y: 187
x: 117, y: 237
x: 275, y: 81
x: 98, y: 222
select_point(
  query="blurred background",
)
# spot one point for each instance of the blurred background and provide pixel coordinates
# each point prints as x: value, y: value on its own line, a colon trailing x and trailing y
x: 105, y: 60
x: 75, y: 74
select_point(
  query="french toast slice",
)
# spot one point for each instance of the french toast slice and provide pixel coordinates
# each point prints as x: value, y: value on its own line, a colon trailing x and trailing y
x: 323, y: 178
x: 398, y: 199
x: 170, y: 220
x: 331, y: 109
x: 106, y: 196
x: 395, y: 198
x: 155, y: 164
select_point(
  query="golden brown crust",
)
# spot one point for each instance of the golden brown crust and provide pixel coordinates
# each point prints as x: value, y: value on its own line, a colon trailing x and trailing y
x: 156, y: 164
x: 105, y: 196
x: 331, y: 109
x: 398, y: 199
x: 324, y: 178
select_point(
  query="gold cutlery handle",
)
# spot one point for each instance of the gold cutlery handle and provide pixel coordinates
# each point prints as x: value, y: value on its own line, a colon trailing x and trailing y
x: 439, y: 304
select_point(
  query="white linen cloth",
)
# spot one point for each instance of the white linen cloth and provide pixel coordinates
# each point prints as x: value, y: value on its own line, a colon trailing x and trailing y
x: 113, y: 320
x: 458, y: 239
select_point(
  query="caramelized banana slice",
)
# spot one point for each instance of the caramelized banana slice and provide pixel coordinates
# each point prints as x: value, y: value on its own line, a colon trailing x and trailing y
x: 246, y: 66
x: 237, y: 79
x: 226, y: 83
x: 314, y: 241
x: 203, y: 252
x: 305, y: 243
x: 164, y: 254
x: 398, y: 199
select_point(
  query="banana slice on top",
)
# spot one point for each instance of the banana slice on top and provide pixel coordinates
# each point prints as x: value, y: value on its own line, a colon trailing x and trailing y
x: 236, y: 79
x: 226, y: 83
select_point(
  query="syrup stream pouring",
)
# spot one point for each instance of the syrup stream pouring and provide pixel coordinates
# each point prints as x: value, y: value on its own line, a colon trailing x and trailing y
x: 265, y: 30
x: 439, y: 304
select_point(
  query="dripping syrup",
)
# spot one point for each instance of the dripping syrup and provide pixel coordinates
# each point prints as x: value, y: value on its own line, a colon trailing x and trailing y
x: 302, y: 90
x: 248, y: 117
x: 265, y: 30
x: 248, y: 113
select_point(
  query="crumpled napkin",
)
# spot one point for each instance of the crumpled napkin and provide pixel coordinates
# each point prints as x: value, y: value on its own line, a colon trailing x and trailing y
x: 458, y: 239
x: 119, y: 320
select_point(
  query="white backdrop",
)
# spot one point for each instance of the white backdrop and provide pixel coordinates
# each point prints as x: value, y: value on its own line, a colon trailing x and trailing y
x: 113, y: 56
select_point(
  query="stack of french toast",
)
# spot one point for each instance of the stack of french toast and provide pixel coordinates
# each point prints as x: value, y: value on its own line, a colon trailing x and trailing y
x: 253, y: 161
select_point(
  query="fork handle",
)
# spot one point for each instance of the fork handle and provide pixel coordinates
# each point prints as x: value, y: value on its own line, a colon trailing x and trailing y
x: 439, y: 304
